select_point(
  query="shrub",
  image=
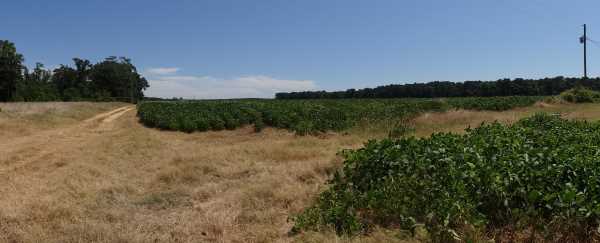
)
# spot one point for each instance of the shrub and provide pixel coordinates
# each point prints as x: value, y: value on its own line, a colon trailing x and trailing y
x: 543, y: 171
x: 187, y: 125
x: 580, y: 95
x: 202, y: 125
x: 217, y: 124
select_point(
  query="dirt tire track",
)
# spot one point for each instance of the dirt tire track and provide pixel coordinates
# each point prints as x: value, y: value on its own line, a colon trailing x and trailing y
x: 105, y: 115
x: 21, y: 152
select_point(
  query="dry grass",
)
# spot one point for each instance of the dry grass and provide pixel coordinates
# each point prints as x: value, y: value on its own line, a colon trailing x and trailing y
x: 20, y: 119
x: 135, y: 184
x: 457, y: 121
x: 111, y: 180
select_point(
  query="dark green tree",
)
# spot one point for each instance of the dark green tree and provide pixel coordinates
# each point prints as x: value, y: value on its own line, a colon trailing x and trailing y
x: 502, y: 87
x: 36, y: 86
x: 11, y: 69
x: 118, y: 78
x: 64, y: 79
x: 74, y: 83
x: 83, y: 69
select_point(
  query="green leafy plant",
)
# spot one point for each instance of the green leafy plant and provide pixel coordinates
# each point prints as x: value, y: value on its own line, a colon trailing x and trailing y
x: 541, y: 172
x: 400, y: 128
x: 580, y: 95
x: 306, y: 116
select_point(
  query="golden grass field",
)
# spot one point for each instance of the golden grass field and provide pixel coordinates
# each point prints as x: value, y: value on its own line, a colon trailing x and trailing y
x: 89, y: 172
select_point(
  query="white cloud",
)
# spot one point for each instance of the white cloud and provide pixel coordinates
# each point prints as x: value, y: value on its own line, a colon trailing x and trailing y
x: 206, y: 87
x: 162, y: 71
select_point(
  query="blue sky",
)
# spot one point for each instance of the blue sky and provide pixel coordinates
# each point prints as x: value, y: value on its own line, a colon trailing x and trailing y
x: 226, y: 49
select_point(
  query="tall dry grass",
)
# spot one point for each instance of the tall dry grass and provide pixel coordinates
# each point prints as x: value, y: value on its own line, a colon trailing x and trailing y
x: 26, y: 118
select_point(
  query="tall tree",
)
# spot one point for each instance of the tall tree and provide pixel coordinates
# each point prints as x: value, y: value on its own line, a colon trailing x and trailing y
x: 119, y: 78
x: 74, y: 83
x: 11, y: 69
x: 36, y: 85
x: 65, y: 79
x: 83, y: 69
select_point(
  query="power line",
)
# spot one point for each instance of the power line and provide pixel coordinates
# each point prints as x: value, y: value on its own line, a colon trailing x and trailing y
x: 596, y: 43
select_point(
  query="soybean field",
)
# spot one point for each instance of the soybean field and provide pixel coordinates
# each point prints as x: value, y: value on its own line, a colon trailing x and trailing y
x: 305, y: 116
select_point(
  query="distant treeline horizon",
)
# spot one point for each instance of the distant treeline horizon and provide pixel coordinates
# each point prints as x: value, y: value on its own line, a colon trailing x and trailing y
x: 439, y: 89
x: 112, y: 79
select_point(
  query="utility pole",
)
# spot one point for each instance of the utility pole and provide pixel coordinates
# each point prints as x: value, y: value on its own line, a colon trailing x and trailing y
x: 584, y: 41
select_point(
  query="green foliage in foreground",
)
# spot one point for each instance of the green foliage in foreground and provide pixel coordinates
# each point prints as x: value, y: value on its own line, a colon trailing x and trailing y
x: 542, y: 171
x: 304, y: 116
x: 580, y: 95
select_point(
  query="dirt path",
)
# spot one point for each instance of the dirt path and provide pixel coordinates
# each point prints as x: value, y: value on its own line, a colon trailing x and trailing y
x: 87, y: 125
x: 24, y: 157
x: 31, y: 148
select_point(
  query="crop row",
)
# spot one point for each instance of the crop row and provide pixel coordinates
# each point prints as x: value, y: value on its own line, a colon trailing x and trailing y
x: 302, y: 116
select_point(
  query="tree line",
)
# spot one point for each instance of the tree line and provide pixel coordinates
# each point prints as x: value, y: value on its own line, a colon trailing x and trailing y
x: 502, y: 87
x: 114, y: 78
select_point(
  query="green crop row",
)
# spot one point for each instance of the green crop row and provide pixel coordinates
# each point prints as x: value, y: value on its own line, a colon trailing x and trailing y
x: 542, y: 172
x: 303, y: 116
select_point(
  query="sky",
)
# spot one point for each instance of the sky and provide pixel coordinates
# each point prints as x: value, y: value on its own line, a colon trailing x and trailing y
x: 242, y: 48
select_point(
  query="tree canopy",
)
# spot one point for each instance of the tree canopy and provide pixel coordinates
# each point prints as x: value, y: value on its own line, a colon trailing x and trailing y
x: 11, y: 69
x: 114, y: 78
x: 502, y: 87
x: 118, y: 77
